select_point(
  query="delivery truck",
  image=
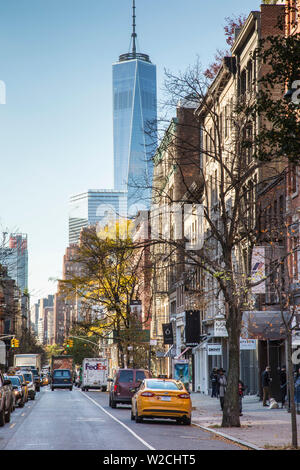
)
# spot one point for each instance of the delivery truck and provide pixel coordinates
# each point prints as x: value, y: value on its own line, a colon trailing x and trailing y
x: 62, y: 362
x: 28, y: 360
x: 94, y: 374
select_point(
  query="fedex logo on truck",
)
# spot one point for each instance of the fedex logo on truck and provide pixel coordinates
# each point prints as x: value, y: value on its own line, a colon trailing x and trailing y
x: 97, y: 366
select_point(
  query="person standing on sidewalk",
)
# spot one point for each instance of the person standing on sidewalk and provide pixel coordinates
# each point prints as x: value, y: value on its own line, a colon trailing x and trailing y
x: 266, y: 381
x: 241, y: 394
x: 214, y: 383
x: 222, y: 381
x: 283, y: 385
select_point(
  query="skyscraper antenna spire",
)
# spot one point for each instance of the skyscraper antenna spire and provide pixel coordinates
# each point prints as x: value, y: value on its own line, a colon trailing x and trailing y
x: 134, y: 35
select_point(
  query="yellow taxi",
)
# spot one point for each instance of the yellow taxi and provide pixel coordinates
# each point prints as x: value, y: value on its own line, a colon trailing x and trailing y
x: 161, y: 398
x: 45, y: 380
x: 23, y: 383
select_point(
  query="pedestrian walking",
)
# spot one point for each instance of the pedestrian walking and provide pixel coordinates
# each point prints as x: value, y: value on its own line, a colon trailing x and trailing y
x: 214, y: 382
x: 283, y: 385
x: 222, y: 381
x: 241, y: 394
x: 266, y: 382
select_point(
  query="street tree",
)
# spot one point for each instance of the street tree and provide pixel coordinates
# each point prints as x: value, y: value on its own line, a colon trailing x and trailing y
x: 106, y: 283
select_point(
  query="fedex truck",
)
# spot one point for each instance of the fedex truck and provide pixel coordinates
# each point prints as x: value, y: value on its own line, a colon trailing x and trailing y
x: 94, y: 374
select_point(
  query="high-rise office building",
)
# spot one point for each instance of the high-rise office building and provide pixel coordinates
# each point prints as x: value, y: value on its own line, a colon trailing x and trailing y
x: 92, y: 207
x: 134, y: 118
x: 15, y: 257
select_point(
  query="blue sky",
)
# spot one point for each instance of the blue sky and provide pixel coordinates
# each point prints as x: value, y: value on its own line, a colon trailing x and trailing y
x: 56, y: 125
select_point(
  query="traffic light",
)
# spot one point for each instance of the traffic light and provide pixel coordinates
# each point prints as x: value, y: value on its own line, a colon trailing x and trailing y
x: 69, y: 343
x: 13, y: 343
x: 16, y: 343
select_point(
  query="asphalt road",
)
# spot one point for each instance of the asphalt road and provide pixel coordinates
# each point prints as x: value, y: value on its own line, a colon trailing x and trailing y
x: 64, y: 420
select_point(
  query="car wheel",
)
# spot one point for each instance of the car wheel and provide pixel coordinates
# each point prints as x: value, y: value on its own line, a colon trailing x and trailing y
x: 138, y: 419
x: 71, y: 388
x: 2, y: 418
x: 113, y: 403
x: 7, y: 416
x: 21, y: 405
x: 186, y: 420
x: 132, y: 416
x: 33, y: 397
x: 52, y: 388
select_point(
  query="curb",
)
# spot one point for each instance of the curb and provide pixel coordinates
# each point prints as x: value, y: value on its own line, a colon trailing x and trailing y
x: 230, y: 438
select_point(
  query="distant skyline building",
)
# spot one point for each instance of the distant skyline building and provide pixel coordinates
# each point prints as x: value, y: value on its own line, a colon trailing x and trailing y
x: 93, y: 206
x: 134, y: 112
x: 15, y: 258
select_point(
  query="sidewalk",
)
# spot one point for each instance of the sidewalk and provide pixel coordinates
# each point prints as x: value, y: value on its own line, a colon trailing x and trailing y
x: 260, y: 426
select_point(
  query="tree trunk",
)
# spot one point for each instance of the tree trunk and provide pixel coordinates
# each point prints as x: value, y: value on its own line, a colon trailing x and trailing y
x: 231, y: 411
x: 291, y: 389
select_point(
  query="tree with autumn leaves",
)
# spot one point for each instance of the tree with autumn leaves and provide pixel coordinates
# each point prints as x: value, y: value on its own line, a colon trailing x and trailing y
x: 106, y: 282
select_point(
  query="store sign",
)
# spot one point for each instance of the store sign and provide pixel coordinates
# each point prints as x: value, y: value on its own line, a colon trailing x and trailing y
x: 258, y: 269
x: 136, y: 308
x: 192, y: 328
x: 247, y: 344
x: 220, y: 329
x: 214, y: 349
x: 168, y: 333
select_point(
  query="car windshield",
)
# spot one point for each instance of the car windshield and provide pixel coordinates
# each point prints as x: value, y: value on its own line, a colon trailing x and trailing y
x: 161, y: 385
x: 28, y: 377
x: 126, y: 376
x: 139, y: 375
x: 35, y: 372
x: 62, y: 373
x: 14, y: 380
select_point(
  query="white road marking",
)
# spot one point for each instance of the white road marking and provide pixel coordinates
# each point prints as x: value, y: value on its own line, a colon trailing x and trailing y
x: 96, y: 420
x: 120, y: 422
x: 12, y: 425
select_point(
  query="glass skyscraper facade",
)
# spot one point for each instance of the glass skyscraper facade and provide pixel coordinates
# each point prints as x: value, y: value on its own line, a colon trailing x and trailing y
x: 15, y: 257
x: 134, y: 120
x: 92, y: 207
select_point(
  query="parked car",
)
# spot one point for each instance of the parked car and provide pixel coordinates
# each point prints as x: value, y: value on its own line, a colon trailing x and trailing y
x: 12, y: 394
x: 24, y: 385
x: 62, y: 378
x: 30, y: 383
x: 37, y: 379
x: 125, y: 380
x: 5, y: 400
x: 18, y: 390
x: 161, y: 398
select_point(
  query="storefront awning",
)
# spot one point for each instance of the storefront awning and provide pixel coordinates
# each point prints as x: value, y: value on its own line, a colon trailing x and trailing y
x: 183, y: 352
x: 264, y: 325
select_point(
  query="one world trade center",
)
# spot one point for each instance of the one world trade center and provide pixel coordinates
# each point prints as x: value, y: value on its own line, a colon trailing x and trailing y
x: 134, y: 121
